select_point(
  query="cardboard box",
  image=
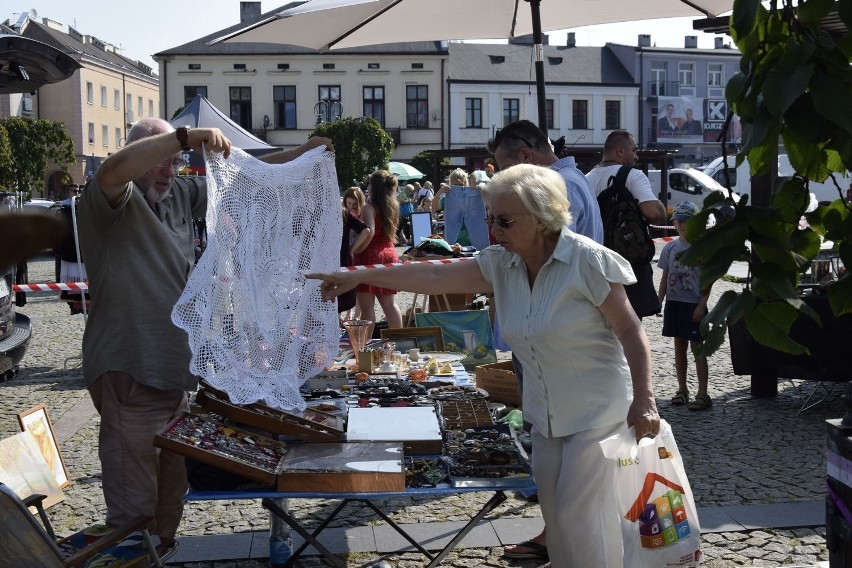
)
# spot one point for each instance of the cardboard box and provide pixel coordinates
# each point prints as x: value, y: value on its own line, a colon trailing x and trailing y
x: 500, y: 382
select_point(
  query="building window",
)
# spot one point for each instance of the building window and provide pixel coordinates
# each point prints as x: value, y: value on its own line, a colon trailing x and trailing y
x: 194, y: 66
x: 117, y: 138
x: 91, y: 133
x: 686, y: 73
x: 715, y: 72
x: 658, y: 79
x: 116, y: 99
x: 103, y: 95
x: 90, y: 93
x: 330, y: 106
x: 417, y: 106
x: 374, y: 103
x: 241, y: 106
x: 128, y: 103
x: 26, y: 104
x: 373, y: 66
x: 613, y: 115
x: 105, y: 135
x: 580, y: 114
x: 284, y: 98
x: 150, y: 107
x: 328, y: 66
x: 190, y: 92
x: 548, y: 107
x: 473, y: 113
x: 283, y: 66
x: 139, y: 106
x: 239, y: 66
x: 417, y: 66
x: 511, y: 111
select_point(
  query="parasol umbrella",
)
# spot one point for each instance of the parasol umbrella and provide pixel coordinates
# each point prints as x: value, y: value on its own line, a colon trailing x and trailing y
x: 27, y: 64
x: 338, y: 24
x: 404, y: 172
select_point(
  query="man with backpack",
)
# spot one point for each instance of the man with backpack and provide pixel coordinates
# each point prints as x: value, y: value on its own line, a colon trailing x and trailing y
x: 626, y: 215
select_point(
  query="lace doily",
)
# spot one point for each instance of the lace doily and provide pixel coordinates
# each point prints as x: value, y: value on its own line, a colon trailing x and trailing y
x: 257, y: 327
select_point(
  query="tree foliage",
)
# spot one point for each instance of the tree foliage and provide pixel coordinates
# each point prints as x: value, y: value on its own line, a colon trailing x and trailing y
x: 361, y: 146
x: 33, y: 145
x: 425, y: 162
x: 795, y: 86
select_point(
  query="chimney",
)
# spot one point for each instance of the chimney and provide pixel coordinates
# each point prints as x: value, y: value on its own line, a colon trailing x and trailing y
x: 644, y: 40
x: 690, y: 42
x: 249, y: 12
x: 571, y: 40
x: 719, y: 42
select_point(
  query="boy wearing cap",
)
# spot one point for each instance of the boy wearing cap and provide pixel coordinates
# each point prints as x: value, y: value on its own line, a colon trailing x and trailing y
x: 685, y: 307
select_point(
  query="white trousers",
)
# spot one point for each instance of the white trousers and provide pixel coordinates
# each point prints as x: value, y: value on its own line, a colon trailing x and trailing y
x: 577, y: 501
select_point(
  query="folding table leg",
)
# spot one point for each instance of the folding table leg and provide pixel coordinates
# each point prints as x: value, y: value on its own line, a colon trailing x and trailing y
x: 499, y: 497
x: 270, y: 505
x: 298, y: 552
x: 396, y: 527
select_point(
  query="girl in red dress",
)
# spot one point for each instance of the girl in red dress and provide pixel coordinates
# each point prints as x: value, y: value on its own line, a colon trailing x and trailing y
x: 381, y: 215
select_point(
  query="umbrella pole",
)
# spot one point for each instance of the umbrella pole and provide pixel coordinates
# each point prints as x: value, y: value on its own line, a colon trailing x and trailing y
x: 535, y: 11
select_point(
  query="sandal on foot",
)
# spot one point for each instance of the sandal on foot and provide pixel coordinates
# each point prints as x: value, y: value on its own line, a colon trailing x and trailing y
x: 680, y: 398
x: 701, y: 402
x: 534, y: 551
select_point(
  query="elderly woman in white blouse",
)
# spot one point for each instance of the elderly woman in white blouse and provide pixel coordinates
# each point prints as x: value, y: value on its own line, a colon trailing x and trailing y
x: 586, y: 358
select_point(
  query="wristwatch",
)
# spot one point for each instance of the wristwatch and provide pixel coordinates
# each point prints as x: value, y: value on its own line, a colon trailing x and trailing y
x: 182, y: 134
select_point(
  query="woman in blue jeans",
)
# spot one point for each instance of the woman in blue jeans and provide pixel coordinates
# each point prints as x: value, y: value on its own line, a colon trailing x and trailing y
x: 464, y: 204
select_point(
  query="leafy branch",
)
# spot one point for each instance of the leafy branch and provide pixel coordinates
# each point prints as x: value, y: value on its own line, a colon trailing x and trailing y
x: 795, y: 86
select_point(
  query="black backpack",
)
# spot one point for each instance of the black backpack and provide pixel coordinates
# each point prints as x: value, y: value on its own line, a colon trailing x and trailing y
x: 625, y: 229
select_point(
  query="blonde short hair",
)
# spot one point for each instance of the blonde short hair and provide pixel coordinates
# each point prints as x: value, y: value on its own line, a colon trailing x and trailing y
x: 459, y: 175
x: 541, y: 191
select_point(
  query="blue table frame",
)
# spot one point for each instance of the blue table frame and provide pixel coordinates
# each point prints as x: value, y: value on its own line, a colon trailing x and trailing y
x: 268, y: 500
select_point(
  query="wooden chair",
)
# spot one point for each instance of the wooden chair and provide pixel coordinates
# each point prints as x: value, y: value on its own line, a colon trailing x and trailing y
x: 25, y: 542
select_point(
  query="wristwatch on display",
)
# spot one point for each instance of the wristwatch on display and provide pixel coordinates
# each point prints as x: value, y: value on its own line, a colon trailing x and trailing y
x: 182, y: 134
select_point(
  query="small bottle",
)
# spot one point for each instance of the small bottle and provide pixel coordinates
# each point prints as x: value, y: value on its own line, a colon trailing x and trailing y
x: 280, y: 548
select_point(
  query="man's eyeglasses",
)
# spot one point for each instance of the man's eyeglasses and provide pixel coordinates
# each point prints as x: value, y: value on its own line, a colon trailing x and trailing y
x: 500, y: 133
x: 175, y: 164
x: 501, y: 221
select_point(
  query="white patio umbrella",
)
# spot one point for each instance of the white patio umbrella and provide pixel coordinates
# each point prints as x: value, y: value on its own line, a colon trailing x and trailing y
x: 404, y: 172
x: 338, y: 24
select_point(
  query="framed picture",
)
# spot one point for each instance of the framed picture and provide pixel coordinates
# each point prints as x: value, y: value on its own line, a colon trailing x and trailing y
x: 426, y: 338
x: 37, y: 422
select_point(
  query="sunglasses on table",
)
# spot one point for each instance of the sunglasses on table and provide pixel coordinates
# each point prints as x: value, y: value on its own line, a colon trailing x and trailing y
x: 501, y: 221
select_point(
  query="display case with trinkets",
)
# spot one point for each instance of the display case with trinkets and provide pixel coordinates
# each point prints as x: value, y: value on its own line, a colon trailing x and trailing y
x: 210, y: 442
x: 310, y: 425
x: 462, y: 414
x: 488, y: 456
x: 331, y: 468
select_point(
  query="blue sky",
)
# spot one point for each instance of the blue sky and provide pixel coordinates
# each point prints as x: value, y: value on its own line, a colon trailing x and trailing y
x: 156, y: 25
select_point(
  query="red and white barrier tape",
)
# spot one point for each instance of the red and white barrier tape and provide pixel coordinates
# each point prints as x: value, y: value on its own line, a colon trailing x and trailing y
x: 391, y: 264
x: 51, y: 287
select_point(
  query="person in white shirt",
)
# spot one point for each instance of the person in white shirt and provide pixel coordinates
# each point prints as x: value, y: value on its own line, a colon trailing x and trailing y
x: 620, y: 150
x: 561, y: 299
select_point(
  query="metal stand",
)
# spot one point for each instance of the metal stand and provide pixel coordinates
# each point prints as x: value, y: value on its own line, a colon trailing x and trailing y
x: 311, y: 538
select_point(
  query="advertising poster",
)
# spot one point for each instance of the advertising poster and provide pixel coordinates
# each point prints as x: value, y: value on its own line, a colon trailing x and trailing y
x: 694, y: 120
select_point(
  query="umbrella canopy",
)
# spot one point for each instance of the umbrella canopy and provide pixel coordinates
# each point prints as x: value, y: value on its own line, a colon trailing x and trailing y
x: 338, y: 24
x: 27, y: 64
x: 404, y: 172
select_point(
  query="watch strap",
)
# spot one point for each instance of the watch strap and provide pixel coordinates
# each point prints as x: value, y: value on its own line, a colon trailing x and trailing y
x: 182, y: 134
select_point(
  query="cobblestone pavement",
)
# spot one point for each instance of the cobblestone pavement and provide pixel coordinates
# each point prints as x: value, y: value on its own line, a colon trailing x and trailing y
x: 744, y: 451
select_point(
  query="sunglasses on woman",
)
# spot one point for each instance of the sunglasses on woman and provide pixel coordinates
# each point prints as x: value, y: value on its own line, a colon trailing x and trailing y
x: 501, y: 221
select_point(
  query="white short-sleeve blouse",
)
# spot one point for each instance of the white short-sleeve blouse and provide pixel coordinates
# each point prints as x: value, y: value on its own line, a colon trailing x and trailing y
x: 575, y: 374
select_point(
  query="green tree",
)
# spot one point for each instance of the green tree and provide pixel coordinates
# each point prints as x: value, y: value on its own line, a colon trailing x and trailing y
x: 33, y: 144
x: 424, y: 161
x: 795, y: 86
x: 361, y: 146
x: 5, y: 160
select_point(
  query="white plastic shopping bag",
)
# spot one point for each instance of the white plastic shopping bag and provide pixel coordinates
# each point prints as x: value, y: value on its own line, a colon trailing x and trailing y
x: 659, y: 525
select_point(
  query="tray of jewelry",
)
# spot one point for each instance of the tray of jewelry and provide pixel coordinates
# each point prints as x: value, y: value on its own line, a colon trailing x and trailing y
x: 456, y: 392
x: 486, y: 456
x: 463, y: 414
x: 238, y: 451
x: 313, y: 424
x: 424, y: 471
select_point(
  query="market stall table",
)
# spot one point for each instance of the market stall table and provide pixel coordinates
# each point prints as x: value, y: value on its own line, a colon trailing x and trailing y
x: 269, y: 501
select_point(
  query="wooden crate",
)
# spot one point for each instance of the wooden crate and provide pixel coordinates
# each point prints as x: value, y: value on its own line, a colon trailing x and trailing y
x: 500, y: 382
